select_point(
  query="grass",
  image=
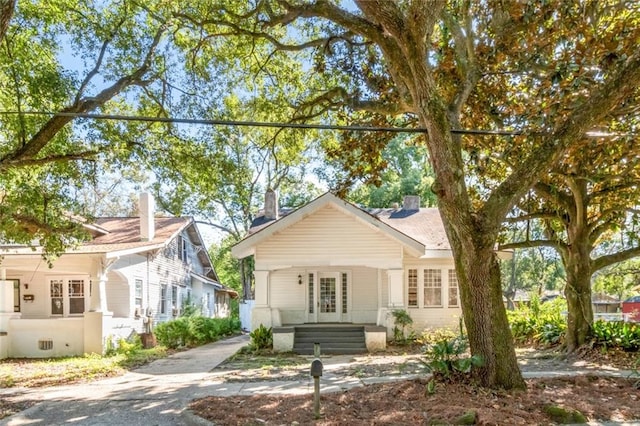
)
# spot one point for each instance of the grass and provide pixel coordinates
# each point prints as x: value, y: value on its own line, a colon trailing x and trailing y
x: 59, y: 371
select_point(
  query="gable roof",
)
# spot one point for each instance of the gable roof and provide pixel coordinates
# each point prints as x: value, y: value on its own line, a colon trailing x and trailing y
x: 418, y: 230
x: 120, y: 236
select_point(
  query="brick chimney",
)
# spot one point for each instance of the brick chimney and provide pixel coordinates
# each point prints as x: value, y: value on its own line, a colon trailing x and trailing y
x: 411, y: 202
x: 147, y: 223
x: 271, y: 205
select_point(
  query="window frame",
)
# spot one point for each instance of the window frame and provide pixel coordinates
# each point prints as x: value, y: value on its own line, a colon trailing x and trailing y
x: 68, y: 295
x: 163, y: 298
x: 453, y: 278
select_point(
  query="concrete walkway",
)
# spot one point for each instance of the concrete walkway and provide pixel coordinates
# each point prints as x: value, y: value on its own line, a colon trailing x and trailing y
x: 159, y: 393
x: 156, y: 394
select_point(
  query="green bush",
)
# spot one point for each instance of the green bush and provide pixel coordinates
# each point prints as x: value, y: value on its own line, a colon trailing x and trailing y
x: 122, y: 346
x: 261, y: 338
x: 539, y: 323
x: 402, y: 320
x: 623, y: 335
x: 195, y: 331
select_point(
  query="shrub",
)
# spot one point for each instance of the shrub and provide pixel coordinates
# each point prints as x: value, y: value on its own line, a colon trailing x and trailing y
x: 623, y: 335
x: 401, y: 320
x: 261, y: 338
x: 195, y: 330
x: 539, y: 323
x: 432, y: 336
x: 122, y: 346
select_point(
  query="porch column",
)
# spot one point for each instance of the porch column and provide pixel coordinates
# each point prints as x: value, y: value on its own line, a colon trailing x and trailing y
x: 261, y: 312
x: 262, y: 288
x: 396, y: 288
x: 98, y: 293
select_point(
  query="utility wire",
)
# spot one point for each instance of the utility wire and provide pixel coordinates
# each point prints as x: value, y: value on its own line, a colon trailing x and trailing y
x: 208, y: 122
x: 240, y: 123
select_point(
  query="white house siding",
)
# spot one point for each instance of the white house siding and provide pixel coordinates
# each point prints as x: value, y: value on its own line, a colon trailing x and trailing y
x: 328, y: 237
x: 118, y: 295
x: 65, y: 334
x: 288, y: 296
x: 364, y: 295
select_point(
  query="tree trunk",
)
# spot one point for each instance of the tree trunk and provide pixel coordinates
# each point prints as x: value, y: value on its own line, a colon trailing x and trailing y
x: 485, y: 316
x: 577, y: 264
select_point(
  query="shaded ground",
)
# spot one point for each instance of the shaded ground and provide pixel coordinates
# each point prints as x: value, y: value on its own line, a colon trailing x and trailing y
x: 408, y: 402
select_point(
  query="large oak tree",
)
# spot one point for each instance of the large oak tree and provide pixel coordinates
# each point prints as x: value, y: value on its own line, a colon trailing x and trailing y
x: 551, y: 70
x: 590, y: 197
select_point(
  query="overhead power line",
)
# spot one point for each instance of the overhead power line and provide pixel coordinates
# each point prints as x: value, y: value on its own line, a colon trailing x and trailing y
x: 240, y: 123
x: 277, y: 125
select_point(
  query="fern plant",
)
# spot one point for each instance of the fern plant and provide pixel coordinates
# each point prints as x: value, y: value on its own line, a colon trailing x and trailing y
x: 449, y: 360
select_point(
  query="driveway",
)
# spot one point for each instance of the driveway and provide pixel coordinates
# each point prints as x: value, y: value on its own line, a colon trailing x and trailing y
x: 156, y: 394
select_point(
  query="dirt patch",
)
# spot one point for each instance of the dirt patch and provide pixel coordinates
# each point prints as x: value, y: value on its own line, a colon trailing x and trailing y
x: 407, y: 402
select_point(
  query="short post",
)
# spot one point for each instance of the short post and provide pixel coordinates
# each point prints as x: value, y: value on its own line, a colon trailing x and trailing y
x: 316, y: 372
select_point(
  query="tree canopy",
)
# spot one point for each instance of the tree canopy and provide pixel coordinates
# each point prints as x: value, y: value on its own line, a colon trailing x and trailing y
x: 546, y: 73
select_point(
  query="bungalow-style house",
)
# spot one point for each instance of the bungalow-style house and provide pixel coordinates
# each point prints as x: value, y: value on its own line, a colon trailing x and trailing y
x: 133, y: 273
x: 332, y: 262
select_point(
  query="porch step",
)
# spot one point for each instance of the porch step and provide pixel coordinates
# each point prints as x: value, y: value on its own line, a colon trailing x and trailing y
x: 332, y: 339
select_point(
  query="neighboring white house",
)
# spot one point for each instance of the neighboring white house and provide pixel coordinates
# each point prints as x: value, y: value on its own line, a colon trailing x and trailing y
x: 331, y: 261
x: 133, y: 273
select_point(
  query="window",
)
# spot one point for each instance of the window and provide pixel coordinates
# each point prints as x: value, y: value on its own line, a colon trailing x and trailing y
x: 182, y: 249
x: 68, y: 296
x: 57, y: 297
x: 76, y: 296
x: 432, y: 287
x: 174, y: 296
x: 311, y: 303
x: 453, y: 288
x: 412, y: 299
x: 138, y: 294
x: 163, y: 298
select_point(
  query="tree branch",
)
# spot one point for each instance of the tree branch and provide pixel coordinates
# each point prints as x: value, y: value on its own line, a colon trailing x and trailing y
x: 607, y: 260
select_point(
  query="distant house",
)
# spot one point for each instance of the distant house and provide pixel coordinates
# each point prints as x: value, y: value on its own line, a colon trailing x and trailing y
x: 135, y: 272
x: 332, y: 262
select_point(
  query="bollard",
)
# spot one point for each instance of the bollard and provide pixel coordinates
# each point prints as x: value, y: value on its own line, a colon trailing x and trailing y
x: 316, y: 372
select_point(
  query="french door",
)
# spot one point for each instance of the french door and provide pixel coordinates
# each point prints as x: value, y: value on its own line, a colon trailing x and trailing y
x: 328, y: 297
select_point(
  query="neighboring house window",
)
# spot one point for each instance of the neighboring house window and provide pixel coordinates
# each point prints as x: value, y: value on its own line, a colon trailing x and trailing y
x: 67, y: 296
x: 138, y: 289
x: 174, y: 299
x: 311, y: 303
x: 412, y: 299
x: 432, y: 287
x: 163, y: 298
x: 453, y: 288
x: 182, y: 249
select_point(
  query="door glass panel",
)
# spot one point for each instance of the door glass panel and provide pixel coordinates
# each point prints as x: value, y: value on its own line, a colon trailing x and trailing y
x: 311, y: 302
x: 327, y: 295
x: 56, y: 297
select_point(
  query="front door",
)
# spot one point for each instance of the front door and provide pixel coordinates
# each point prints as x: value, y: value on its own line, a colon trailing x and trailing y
x: 328, y: 300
